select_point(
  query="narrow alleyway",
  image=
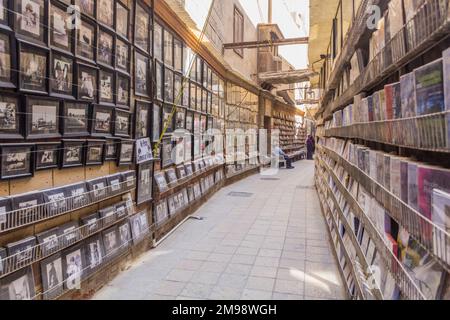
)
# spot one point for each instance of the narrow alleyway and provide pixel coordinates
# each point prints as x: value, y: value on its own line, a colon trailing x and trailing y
x: 270, y: 245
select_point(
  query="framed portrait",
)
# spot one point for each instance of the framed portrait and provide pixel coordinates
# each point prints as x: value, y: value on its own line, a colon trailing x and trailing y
x: 95, y: 253
x: 189, y: 121
x: 91, y: 223
x: 168, y: 85
x: 178, y: 55
x: 42, y: 118
x: 46, y: 155
x: 122, y: 19
x: 5, y: 20
x: 168, y: 48
x: 180, y: 119
x: 55, y: 201
x: 108, y: 215
x: 23, y: 251
x: 78, y: 195
x: 18, y: 286
x: 61, y: 76
x: 30, y: 19
x: 129, y: 177
x: 142, y: 27
x: 181, y: 172
x: 10, y: 119
x: 74, y: 262
x: 111, y: 242
x: 158, y: 41
x: 144, y: 182
x: 125, y: 237
x: 122, y: 123
x: 102, y: 121
x: 105, y: 47
x: 32, y: 68
x: 87, y: 82
x: 142, y: 119
x: 161, y: 211
x: 172, y: 204
x: 98, y: 189
x: 168, y: 118
x: 105, y: 12
x: 7, y: 60
x: 166, y: 152
x: 177, y: 87
x: 142, y: 70
x: 159, y: 81
x: 87, y: 7
x: 193, y: 95
x: 16, y: 161
x: 161, y: 182
x: 185, y: 95
x: 156, y: 122
x: 95, y: 152
x: 86, y: 40
x: 139, y: 226
x: 74, y: 120
x: 123, y: 91
x: 106, y: 87
x: 60, y: 30
x: 111, y: 150
x: 52, y: 277
x: 126, y: 152
x: 123, y: 54
x: 71, y: 153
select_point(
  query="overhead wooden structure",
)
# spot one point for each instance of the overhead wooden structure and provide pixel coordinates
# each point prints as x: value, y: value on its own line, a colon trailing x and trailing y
x: 307, y: 101
x: 286, y: 77
x: 266, y: 43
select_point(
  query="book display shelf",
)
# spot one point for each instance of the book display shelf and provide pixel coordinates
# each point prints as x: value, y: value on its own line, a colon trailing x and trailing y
x: 382, y: 169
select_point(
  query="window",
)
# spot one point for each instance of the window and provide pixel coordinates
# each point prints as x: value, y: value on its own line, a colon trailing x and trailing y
x: 238, y: 31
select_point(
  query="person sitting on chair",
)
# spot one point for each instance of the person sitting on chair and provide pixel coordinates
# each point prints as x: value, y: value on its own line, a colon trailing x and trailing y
x: 278, y: 152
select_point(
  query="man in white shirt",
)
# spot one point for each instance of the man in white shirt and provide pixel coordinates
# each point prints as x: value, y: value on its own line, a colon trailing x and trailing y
x: 278, y: 152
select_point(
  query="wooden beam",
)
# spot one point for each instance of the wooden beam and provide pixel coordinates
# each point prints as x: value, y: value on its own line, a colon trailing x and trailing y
x: 266, y: 43
x: 307, y: 101
x: 286, y: 77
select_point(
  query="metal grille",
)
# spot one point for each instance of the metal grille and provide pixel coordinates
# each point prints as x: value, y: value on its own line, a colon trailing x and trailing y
x: 240, y: 194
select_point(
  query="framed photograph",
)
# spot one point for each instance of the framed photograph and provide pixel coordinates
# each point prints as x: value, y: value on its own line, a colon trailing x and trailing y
x: 142, y: 119
x: 168, y: 118
x: 95, y: 152
x: 156, y: 122
x: 7, y: 61
x: 74, y: 262
x: 161, y: 211
x: 196, y: 123
x: 111, y: 242
x: 129, y: 177
x: 204, y: 101
x: 180, y: 120
x: 139, y: 226
x: 123, y: 91
x: 126, y: 152
x: 2, y: 258
x: 102, y: 123
x: 95, y: 253
x: 197, y: 150
x: 87, y: 7
x: 98, y: 189
x: 115, y: 184
x: 52, y: 277
x: 159, y: 81
x: 30, y: 19
x: 111, y: 150
x: 168, y: 85
x: 78, y: 195
x: 122, y: 19
x: 122, y: 123
x: 202, y: 124
x: 10, y: 119
x: 46, y: 155
x: 5, y: 21
x: 74, y: 120
x: 32, y: 68
x: 158, y: 41
x: 168, y: 48
x: 166, y: 152
x: 122, y: 210
x: 178, y: 92
x: 181, y: 172
x: 125, y: 237
x: 18, y: 286
x: 60, y: 28
x: 178, y: 55
x: 61, y: 76
x: 87, y: 82
x: 105, y: 12
x: 106, y: 87
x: 172, y: 206
x: 72, y: 153
x: 142, y: 27
x: 92, y: 223
x: 108, y: 215
x: 161, y: 182
x: 142, y: 80
x: 171, y: 175
x: 185, y: 96
x: 23, y: 251
x: 105, y: 47
x: 42, y: 118
x: 123, y: 54
x: 144, y: 183
x: 193, y: 95
x: 189, y: 126
x: 188, y: 148
x: 86, y: 41
x: 16, y: 161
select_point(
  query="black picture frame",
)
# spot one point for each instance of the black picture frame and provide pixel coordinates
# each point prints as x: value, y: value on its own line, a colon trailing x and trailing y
x: 42, y: 117
x: 126, y: 152
x: 22, y: 249
x: 122, y: 123
x: 72, y: 153
x: 125, y: 236
x: 61, y: 76
x: 95, y: 253
x: 143, y: 117
x: 178, y: 55
x: 122, y: 13
x: 46, y: 155
x: 111, y: 148
x: 88, y: 8
x: 77, y: 195
x: 180, y: 118
x: 94, y: 152
x: 159, y: 81
x: 75, y: 118
x: 139, y: 226
x: 168, y: 118
x: 97, y: 188
x: 105, y: 47
x: 181, y: 172
x: 5, y: 207
x: 74, y: 262
x: 142, y: 70
x: 102, y: 121
x: 87, y: 82
x: 52, y: 277
x: 8, y: 58
x: 142, y: 22
x: 115, y: 184
x: 91, y: 223
x: 166, y: 152
x: 106, y: 85
x: 111, y: 242
x: 16, y: 161
x: 10, y: 117
x: 60, y: 30
x: 33, y: 68
x: 123, y: 91
x: 156, y: 122
x: 158, y: 41
x: 168, y: 85
x: 6, y: 18
x: 189, y: 125
x: 161, y: 211
x: 168, y: 47
x: 144, y: 189
x: 177, y: 89
x: 106, y: 13
x: 186, y: 99
x: 86, y: 40
x: 171, y: 176
x: 192, y: 95
x: 23, y: 276
x: 161, y: 182
x: 30, y: 19
x: 123, y: 56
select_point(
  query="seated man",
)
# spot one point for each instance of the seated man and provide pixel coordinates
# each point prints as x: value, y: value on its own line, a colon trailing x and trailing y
x: 278, y: 152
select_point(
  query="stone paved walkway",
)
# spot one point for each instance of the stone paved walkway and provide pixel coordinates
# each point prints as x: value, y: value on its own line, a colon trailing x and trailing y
x: 272, y: 245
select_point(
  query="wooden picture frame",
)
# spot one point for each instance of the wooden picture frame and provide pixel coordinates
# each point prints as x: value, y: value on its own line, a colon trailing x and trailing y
x: 30, y: 20
x: 86, y: 40
x: 60, y: 32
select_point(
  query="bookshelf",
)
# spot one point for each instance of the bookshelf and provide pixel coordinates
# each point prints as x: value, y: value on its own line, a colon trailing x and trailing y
x: 292, y: 133
x: 383, y: 145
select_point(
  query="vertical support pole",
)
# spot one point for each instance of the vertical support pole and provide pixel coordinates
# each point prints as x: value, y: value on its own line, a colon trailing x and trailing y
x: 269, y: 15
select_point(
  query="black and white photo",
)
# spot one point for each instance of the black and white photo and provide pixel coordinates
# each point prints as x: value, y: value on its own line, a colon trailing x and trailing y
x: 144, y: 182
x: 105, y: 45
x: 111, y: 150
x: 105, y: 12
x: 123, y: 91
x: 22, y: 250
x: 106, y: 86
x: 6, y: 62
x: 171, y: 175
x: 42, y: 117
x: 111, y: 241
x: 60, y: 28
x: 95, y: 152
x: 102, y: 121
x: 122, y: 123
x: 18, y: 286
x: 86, y: 43
x: 91, y: 223
x: 122, y: 19
x: 108, y: 215
x: 139, y: 226
x: 168, y: 86
x: 55, y: 201
x: 49, y: 241
x: 141, y: 74
x: 94, y: 253
x: 161, y: 211
x: 142, y: 27
x: 46, y: 155
x: 124, y: 234
x: 30, y: 18
x: 70, y: 233
x: 10, y: 124
x: 166, y: 152
x: 97, y: 188
x: 74, y: 263
x: 126, y: 152
x: 86, y: 6
x: 78, y: 195
x: 33, y: 68
x: 159, y: 81
x: 61, y: 81
x: 122, y: 56
x: 115, y: 183
x: 142, y: 119
x: 156, y: 122
x: 87, y: 82
x: 72, y: 153
x: 168, y: 117
x: 75, y: 119
x: 52, y: 277
x: 16, y: 161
